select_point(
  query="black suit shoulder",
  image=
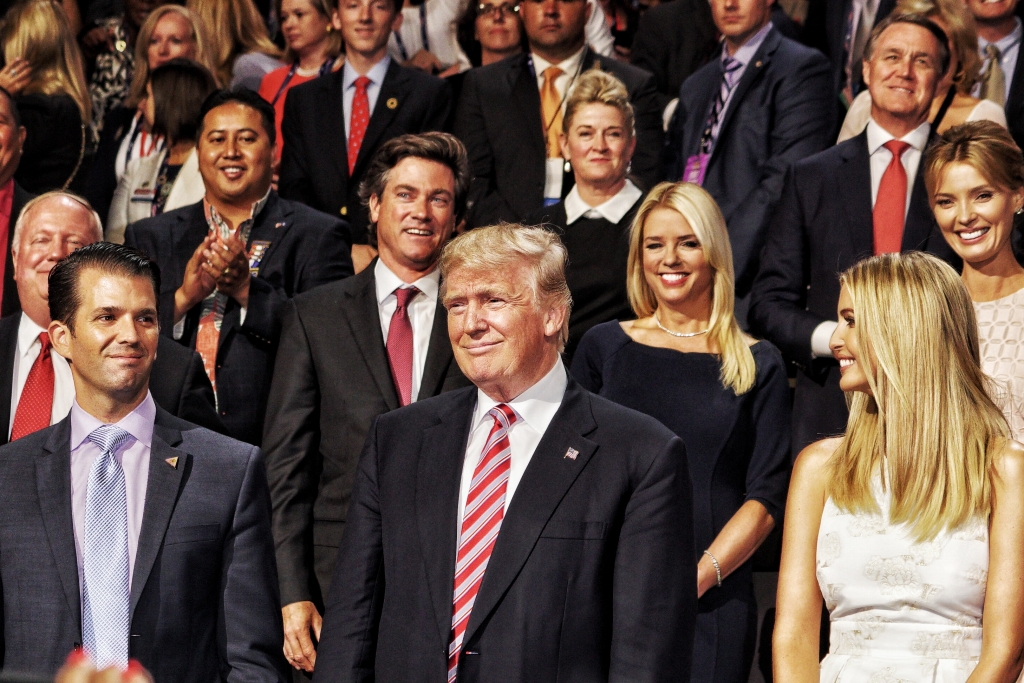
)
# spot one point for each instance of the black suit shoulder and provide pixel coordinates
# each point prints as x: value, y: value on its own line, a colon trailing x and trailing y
x: 306, y: 216
x: 633, y: 77
x: 830, y: 158
x: 331, y: 294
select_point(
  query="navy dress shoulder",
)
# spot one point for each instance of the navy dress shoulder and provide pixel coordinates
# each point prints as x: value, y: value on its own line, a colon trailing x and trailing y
x: 738, y: 450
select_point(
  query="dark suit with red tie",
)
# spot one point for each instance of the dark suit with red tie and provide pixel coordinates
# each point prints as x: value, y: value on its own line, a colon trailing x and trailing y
x: 314, y: 159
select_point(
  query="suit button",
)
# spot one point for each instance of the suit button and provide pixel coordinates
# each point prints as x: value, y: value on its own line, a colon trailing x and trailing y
x: 223, y: 412
x: 344, y: 211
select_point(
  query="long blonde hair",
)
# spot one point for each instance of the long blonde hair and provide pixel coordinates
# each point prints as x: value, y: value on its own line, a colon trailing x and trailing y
x: 199, y: 34
x: 929, y: 425
x: 697, y: 208
x: 962, y: 32
x: 236, y: 28
x: 38, y: 32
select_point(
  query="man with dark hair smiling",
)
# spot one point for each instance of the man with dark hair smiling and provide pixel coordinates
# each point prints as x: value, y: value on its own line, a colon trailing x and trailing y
x: 350, y: 351
x: 230, y: 263
x: 138, y: 535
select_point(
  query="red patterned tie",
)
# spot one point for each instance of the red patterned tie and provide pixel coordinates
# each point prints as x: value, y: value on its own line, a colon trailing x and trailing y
x: 891, y: 202
x: 485, y: 508
x: 207, y: 341
x: 360, y: 119
x: 36, y: 403
x: 400, y: 344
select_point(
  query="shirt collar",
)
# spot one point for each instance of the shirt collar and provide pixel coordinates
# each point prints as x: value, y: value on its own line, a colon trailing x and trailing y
x: 28, y: 333
x: 536, y: 406
x: 747, y: 50
x: 1006, y: 42
x: 570, y: 66
x: 216, y: 223
x: 138, y: 423
x: 878, y: 136
x: 387, y: 282
x: 612, y: 210
x: 375, y: 74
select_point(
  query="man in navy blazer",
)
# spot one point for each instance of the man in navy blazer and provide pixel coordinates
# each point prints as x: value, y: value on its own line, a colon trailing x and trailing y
x: 779, y: 110
x: 824, y: 223
x: 177, y: 570
x: 520, y: 530
x: 230, y: 263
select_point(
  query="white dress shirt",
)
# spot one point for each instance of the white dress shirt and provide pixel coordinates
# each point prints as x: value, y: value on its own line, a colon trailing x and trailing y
x: 25, y: 355
x: 535, y: 408
x: 375, y: 74
x: 421, y: 311
x: 441, y: 18
x: 879, y: 160
x: 570, y: 71
x: 612, y: 210
x: 1009, y: 47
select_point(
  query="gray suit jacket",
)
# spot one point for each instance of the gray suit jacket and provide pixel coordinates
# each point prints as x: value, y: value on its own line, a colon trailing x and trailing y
x: 204, y: 598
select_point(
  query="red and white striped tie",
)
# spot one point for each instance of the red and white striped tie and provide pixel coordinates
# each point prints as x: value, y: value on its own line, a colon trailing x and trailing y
x: 485, y: 508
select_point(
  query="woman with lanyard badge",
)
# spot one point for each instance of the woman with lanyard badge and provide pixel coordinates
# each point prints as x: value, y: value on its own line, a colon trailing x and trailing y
x: 313, y: 44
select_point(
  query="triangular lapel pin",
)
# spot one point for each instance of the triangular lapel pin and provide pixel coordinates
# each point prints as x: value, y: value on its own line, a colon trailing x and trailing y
x: 173, y: 462
x: 571, y: 454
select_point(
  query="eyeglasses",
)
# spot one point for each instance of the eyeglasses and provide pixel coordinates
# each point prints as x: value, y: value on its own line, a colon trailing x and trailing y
x: 494, y: 11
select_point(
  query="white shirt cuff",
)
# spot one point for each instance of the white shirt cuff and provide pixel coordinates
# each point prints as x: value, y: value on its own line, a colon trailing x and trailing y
x: 670, y: 110
x: 820, y: 338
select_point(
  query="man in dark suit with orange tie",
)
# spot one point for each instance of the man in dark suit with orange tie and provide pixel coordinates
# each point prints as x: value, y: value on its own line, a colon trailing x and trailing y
x: 522, y: 529
x: 333, y: 125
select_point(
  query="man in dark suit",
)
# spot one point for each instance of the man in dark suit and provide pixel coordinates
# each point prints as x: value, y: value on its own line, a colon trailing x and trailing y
x: 325, y: 155
x: 12, y: 197
x: 510, y: 115
x: 229, y: 263
x: 36, y: 389
x: 1000, y: 31
x: 340, y: 365
x: 837, y: 208
x: 125, y: 530
x: 528, y: 530
x: 744, y: 118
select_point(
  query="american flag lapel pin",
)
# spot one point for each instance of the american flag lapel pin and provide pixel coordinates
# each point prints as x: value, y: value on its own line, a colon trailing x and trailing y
x: 571, y: 453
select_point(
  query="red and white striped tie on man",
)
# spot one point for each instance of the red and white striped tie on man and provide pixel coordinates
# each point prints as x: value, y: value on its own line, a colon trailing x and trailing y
x: 485, y: 508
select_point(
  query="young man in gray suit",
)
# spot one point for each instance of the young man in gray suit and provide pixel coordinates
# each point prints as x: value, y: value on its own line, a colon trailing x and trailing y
x: 125, y: 530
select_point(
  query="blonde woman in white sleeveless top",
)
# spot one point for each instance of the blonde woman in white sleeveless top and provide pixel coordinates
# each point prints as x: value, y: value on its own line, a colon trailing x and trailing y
x: 910, y: 527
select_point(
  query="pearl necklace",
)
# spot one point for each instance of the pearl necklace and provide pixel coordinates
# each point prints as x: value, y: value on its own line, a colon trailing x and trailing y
x: 677, y: 334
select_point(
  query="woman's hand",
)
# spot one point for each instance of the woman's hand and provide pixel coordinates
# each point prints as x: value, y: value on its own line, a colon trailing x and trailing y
x: 15, y: 76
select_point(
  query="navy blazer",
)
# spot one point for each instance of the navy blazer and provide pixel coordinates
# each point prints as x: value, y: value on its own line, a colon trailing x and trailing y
x: 781, y: 111
x: 305, y: 248
x: 204, y: 603
x: 1014, y: 107
x: 314, y: 158
x: 591, y: 578
x: 822, y: 226
x: 498, y: 119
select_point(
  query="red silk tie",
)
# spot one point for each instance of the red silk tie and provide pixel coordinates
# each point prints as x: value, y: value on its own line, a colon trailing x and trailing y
x: 207, y: 341
x: 891, y: 202
x: 400, y: 344
x: 360, y: 119
x: 481, y: 521
x: 36, y: 403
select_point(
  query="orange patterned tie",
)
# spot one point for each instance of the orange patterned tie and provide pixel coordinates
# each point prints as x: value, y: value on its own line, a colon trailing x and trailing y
x: 551, y: 111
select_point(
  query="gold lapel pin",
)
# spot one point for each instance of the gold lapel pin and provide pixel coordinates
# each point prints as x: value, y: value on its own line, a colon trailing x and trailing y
x: 173, y: 462
x: 758, y: 64
x: 392, y: 103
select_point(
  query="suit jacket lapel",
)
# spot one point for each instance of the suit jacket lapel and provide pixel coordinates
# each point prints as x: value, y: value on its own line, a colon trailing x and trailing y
x: 526, y: 103
x: 392, y: 91
x: 547, y: 479
x: 918, y: 226
x: 53, y: 483
x: 758, y: 63
x: 439, y: 355
x: 335, y: 137
x: 363, y: 318
x: 854, y: 181
x: 8, y: 349
x: 438, y: 476
x: 162, y: 490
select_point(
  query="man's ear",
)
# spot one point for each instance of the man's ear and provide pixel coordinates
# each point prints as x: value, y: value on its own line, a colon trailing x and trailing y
x: 554, y: 320
x: 60, y: 337
x: 396, y: 23
x: 374, y: 206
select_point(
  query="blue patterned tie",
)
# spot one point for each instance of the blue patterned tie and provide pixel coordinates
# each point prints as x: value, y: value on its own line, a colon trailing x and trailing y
x: 729, y: 68
x: 105, y: 622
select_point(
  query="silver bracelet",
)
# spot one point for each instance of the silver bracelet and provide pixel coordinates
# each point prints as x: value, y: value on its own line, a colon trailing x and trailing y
x: 718, y: 570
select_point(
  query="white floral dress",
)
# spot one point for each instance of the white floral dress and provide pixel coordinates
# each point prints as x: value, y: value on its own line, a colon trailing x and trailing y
x: 901, y: 612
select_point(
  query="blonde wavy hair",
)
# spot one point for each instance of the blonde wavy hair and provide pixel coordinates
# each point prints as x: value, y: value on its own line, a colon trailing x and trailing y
x: 236, y: 29
x: 199, y: 35
x: 699, y: 210
x: 984, y: 145
x: 929, y: 426
x: 499, y: 247
x: 597, y: 87
x: 962, y: 32
x: 38, y: 32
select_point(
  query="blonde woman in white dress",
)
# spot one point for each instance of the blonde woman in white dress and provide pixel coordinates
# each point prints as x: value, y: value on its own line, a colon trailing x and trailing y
x: 910, y: 527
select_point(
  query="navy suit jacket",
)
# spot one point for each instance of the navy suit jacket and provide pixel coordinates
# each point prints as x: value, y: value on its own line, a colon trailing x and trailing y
x: 591, y: 578
x: 822, y: 226
x: 306, y: 249
x: 781, y: 111
x: 204, y: 602
x: 314, y: 159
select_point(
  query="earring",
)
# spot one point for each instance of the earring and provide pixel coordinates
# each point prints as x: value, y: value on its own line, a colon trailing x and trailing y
x: 568, y: 167
x: 629, y: 168
x: 1019, y: 211
x: 329, y: 28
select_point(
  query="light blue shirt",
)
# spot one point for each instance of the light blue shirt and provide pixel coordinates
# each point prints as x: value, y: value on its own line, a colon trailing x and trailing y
x: 376, y: 76
x: 1008, y: 47
x: 743, y: 56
